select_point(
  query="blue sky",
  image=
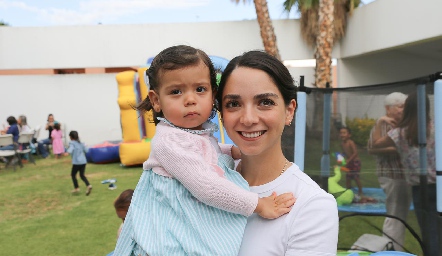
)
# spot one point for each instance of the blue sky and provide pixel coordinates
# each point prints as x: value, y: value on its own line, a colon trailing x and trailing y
x: 71, y: 12
x: 19, y: 13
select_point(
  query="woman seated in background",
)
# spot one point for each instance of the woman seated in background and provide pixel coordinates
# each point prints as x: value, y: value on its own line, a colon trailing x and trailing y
x: 11, y: 129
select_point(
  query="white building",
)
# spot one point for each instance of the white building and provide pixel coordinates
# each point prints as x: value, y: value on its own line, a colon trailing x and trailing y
x: 386, y: 41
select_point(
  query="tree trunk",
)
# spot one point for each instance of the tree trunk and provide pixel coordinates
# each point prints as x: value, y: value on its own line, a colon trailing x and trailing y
x: 324, y: 44
x: 323, y: 55
x: 266, y: 28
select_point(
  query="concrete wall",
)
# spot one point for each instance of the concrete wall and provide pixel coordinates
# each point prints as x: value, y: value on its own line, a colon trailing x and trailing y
x: 86, y: 103
x: 132, y: 45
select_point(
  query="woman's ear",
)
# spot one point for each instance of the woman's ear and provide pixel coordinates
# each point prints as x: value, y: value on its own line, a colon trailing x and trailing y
x: 290, y: 112
x: 155, y: 101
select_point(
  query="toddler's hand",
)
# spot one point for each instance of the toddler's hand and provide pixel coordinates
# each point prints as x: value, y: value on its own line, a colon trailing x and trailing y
x: 273, y: 206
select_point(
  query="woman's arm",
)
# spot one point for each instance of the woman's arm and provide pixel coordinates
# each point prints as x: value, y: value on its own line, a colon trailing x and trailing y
x: 384, y: 142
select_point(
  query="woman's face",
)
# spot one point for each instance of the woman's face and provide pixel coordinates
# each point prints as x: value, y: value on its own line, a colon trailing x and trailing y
x: 253, y: 110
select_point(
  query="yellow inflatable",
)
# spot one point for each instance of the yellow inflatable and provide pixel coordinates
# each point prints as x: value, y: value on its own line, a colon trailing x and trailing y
x: 137, y: 128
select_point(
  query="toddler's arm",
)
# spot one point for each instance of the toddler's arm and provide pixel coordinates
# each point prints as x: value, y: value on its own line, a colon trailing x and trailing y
x: 182, y: 159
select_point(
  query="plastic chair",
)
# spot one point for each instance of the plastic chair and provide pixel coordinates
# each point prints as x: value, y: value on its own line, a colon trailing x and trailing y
x: 392, y: 253
x: 25, y: 139
x: 6, y: 140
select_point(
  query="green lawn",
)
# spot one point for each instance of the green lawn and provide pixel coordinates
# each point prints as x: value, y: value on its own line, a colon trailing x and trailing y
x: 39, y: 215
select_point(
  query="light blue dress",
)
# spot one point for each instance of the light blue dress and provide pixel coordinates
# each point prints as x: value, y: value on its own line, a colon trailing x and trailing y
x: 165, y: 219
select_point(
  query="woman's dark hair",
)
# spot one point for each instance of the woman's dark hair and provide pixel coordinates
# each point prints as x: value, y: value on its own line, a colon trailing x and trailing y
x: 57, y: 126
x: 74, y: 135
x: 11, y: 120
x: 265, y: 62
x: 50, y: 116
x: 173, y: 58
x: 123, y: 200
x: 410, y: 119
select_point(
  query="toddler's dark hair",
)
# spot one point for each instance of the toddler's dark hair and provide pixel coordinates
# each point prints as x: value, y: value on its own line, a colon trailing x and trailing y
x: 123, y: 200
x: 346, y: 128
x: 74, y: 135
x: 173, y: 58
x: 57, y: 126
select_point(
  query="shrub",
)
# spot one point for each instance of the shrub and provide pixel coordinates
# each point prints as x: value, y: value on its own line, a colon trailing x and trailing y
x: 360, y: 129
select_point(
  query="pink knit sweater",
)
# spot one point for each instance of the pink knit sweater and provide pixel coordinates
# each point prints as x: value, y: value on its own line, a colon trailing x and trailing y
x: 192, y: 160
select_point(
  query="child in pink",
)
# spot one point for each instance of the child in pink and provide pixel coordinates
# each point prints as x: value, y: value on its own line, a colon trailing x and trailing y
x: 57, y: 142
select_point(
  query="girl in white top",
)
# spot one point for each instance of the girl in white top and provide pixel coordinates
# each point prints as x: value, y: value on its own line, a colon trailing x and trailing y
x: 257, y: 99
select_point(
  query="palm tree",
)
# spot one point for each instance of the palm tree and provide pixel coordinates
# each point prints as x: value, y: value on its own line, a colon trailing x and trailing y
x: 322, y: 23
x: 266, y: 27
x: 2, y: 23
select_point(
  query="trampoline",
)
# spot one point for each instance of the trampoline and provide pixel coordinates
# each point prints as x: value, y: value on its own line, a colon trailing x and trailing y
x: 377, y: 207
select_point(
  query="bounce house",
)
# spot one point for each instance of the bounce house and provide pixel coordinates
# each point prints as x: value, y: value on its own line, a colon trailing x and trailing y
x: 138, y: 128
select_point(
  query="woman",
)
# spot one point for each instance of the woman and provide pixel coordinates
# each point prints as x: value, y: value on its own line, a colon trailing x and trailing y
x: 405, y: 138
x: 23, y: 124
x: 257, y: 98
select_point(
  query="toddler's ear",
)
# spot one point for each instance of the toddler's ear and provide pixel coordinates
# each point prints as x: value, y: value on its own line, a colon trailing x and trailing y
x: 155, y: 101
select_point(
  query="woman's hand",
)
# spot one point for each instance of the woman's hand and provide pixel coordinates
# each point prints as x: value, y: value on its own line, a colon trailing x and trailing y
x: 273, y: 206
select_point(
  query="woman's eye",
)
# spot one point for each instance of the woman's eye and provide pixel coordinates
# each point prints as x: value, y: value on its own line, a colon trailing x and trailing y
x: 232, y: 104
x: 176, y: 91
x: 201, y: 89
x: 267, y: 102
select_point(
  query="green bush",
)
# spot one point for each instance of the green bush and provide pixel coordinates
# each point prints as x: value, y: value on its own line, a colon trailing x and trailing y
x: 360, y: 129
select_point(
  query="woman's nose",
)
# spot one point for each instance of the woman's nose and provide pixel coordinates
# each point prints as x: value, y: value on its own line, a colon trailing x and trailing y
x: 249, y: 116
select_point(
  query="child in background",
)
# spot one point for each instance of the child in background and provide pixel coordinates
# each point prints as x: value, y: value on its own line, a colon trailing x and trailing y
x: 78, y: 152
x: 188, y: 200
x: 121, y: 205
x: 57, y: 141
x: 353, y: 162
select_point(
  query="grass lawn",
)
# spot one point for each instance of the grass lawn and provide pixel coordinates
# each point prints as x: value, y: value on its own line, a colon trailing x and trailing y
x: 39, y: 215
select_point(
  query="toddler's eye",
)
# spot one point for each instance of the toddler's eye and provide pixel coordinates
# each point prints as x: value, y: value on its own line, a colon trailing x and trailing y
x: 176, y: 91
x: 201, y: 89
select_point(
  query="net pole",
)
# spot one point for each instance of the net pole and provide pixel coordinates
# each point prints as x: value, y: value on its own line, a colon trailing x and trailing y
x: 301, y: 117
x: 438, y: 151
x: 422, y: 141
x: 325, y: 160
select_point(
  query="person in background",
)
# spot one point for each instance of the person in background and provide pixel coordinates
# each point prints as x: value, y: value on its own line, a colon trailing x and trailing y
x: 24, y: 128
x: 23, y: 124
x: 405, y: 138
x: 43, y: 143
x: 353, y: 162
x: 121, y: 205
x: 78, y: 152
x: 390, y: 171
x: 57, y: 141
x: 11, y: 129
x: 257, y: 99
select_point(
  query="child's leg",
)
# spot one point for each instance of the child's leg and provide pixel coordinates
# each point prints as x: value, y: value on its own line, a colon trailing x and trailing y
x: 75, y: 169
x: 358, y: 182
x: 348, y: 179
x: 82, y: 169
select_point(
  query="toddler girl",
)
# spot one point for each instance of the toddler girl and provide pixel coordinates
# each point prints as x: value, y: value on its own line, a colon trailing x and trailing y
x: 57, y: 141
